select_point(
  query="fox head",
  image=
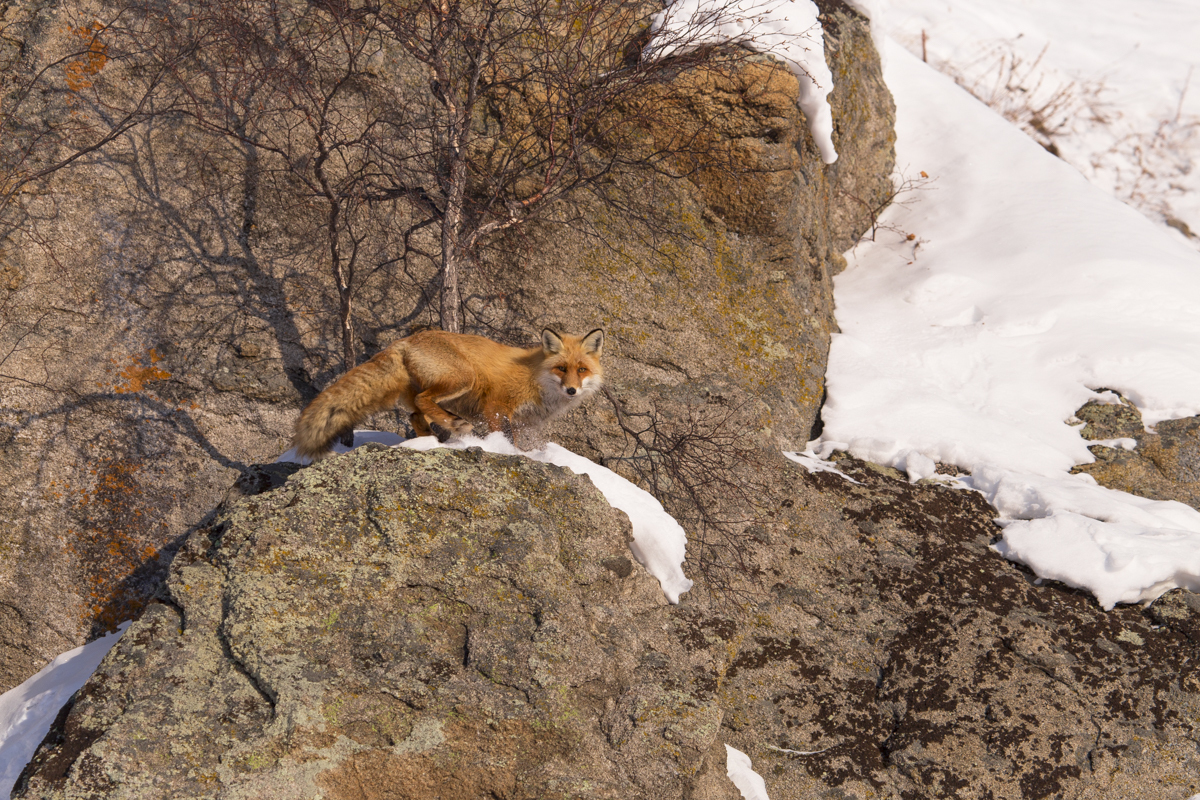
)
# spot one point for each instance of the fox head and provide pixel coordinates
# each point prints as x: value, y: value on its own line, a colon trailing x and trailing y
x: 572, y: 363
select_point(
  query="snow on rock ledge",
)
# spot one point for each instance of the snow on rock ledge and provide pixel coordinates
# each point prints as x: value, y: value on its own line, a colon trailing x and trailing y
x: 659, y: 543
x: 788, y: 29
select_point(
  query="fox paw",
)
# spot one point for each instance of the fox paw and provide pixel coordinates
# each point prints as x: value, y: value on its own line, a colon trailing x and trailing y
x: 457, y: 427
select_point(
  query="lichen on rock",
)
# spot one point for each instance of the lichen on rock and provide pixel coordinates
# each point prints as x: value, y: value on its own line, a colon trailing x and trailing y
x: 401, y: 624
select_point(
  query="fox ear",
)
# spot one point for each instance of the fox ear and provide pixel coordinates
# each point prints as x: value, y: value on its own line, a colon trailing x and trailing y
x: 551, y: 342
x: 593, y: 342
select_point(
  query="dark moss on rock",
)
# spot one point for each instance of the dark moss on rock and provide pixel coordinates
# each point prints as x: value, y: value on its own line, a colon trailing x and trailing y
x: 458, y: 623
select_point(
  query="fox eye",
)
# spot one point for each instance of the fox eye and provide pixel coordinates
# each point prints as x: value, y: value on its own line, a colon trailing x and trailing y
x: 563, y: 370
x: 582, y: 370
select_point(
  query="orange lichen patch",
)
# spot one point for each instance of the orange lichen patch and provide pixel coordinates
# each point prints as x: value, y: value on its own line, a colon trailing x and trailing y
x: 81, y: 69
x: 134, y: 376
x: 116, y: 544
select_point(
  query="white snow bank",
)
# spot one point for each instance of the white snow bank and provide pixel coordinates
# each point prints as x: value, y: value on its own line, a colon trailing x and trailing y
x: 788, y: 29
x: 741, y: 772
x: 27, y: 711
x: 1029, y: 289
x: 659, y: 543
x: 1023, y: 291
x: 1117, y: 89
x: 1120, y: 547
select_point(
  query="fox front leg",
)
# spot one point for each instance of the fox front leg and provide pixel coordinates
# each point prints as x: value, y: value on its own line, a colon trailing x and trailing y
x: 500, y: 422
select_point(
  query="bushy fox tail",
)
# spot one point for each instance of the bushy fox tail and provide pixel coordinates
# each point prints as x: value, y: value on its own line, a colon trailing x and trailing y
x: 368, y: 388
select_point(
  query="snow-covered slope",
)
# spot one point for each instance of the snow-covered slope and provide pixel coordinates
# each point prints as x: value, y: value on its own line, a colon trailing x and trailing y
x: 1113, y: 86
x: 1022, y: 292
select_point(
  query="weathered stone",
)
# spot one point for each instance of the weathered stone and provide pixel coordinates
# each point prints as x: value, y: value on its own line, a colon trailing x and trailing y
x: 896, y: 655
x: 1110, y: 420
x: 169, y: 309
x: 739, y: 297
x: 1164, y: 465
x: 406, y: 625
x: 395, y: 624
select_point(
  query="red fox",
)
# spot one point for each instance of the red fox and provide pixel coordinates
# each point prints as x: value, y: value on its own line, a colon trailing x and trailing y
x: 443, y: 378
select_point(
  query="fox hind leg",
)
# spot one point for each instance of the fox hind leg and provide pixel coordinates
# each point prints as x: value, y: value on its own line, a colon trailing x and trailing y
x: 441, y: 422
x: 420, y: 425
x: 424, y: 427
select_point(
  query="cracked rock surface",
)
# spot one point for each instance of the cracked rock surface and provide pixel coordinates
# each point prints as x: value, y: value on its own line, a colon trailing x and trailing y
x: 454, y: 624
x: 396, y: 624
x: 165, y: 312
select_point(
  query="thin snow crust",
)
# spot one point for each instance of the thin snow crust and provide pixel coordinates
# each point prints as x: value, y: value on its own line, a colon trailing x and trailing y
x: 659, y: 543
x: 788, y: 29
x: 27, y: 711
x: 1023, y: 291
x: 740, y: 770
x: 814, y: 463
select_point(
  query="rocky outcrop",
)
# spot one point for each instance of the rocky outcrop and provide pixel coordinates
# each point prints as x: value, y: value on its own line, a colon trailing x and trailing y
x: 165, y: 311
x: 739, y: 301
x: 391, y: 622
x: 399, y: 624
x: 1161, y: 465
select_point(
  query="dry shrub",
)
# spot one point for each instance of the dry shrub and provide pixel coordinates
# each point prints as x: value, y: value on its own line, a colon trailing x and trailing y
x: 709, y: 475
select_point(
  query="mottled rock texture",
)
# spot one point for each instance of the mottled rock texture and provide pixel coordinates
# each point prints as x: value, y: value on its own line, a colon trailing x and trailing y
x: 1164, y: 464
x: 398, y: 624
x: 166, y: 304
x: 391, y: 624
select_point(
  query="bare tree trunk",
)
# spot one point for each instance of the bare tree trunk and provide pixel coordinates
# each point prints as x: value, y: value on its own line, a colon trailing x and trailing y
x: 342, y: 271
x: 344, y: 319
x: 453, y: 223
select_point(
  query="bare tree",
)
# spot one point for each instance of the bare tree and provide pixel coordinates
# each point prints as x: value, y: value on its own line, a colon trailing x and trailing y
x: 535, y: 100
x: 443, y: 122
x: 707, y: 475
x: 292, y: 88
x: 523, y: 102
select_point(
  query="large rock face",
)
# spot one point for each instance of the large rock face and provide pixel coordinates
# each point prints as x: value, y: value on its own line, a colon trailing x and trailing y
x: 738, y: 302
x: 461, y: 625
x: 398, y: 625
x: 395, y: 624
x: 167, y: 309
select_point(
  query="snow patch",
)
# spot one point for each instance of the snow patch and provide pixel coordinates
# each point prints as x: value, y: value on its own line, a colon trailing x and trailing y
x: 1120, y: 547
x: 813, y: 462
x: 741, y: 772
x: 27, y: 711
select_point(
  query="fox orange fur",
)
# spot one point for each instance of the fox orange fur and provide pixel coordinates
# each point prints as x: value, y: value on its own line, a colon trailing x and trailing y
x: 443, y: 379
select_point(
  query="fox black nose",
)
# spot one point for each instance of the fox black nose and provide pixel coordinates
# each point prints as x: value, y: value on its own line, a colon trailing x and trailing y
x: 570, y: 390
